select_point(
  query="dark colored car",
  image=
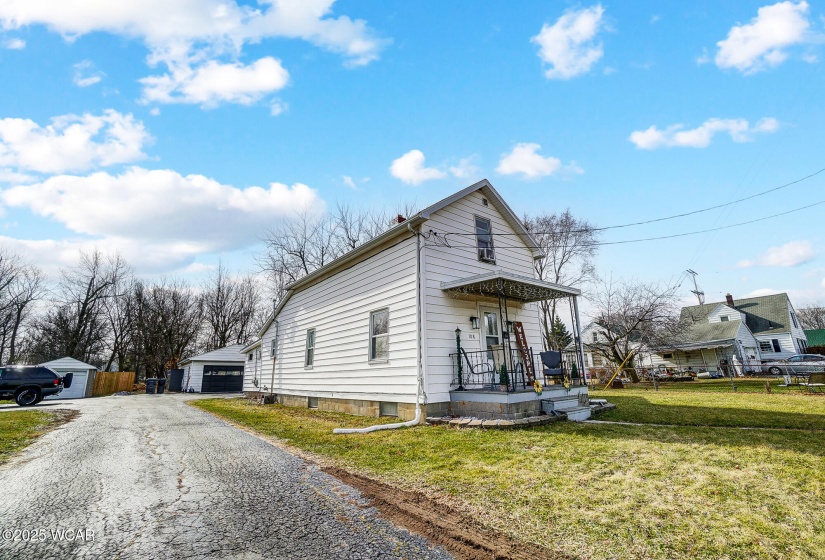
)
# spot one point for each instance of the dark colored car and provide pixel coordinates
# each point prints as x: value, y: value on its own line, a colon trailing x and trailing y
x: 28, y: 385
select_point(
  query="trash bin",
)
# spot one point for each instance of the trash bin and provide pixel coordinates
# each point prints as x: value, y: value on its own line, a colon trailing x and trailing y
x: 161, y: 385
x: 151, y: 385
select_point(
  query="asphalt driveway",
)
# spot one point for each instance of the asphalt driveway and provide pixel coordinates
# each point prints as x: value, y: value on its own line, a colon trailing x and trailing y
x: 149, y: 477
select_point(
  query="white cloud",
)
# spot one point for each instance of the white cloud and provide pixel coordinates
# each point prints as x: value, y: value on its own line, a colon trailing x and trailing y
x: 793, y: 253
x: 277, y: 107
x: 15, y: 44
x: 410, y: 169
x: 763, y: 42
x: 524, y: 159
x: 350, y: 182
x: 213, y: 83
x: 465, y: 168
x: 700, y: 137
x: 142, y: 212
x: 85, y: 74
x: 569, y: 46
x: 71, y: 142
x: 200, y: 41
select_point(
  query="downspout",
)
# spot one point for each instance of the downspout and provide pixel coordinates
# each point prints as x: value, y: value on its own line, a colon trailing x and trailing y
x: 420, y: 375
x: 274, y: 358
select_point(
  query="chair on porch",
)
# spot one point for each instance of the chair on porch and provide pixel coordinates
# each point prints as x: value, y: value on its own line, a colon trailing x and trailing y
x: 480, y: 369
x: 552, y: 366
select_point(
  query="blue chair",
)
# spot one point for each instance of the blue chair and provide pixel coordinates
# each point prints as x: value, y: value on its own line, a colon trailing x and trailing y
x: 552, y: 365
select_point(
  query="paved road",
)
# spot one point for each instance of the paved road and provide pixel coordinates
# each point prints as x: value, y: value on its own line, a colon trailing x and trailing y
x: 155, y: 478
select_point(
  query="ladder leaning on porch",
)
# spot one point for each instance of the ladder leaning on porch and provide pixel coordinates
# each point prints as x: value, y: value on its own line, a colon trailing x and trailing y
x: 525, y: 352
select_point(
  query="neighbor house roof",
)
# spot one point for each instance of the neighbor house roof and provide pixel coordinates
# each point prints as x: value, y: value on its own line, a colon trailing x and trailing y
x: 230, y: 353
x: 68, y: 363
x: 763, y: 314
x: 816, y: 337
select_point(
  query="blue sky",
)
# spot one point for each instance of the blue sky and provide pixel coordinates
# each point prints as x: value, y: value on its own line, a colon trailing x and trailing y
x: 177, y: 131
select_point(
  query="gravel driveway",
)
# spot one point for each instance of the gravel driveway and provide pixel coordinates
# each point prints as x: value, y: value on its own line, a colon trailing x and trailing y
x: 149, y: 477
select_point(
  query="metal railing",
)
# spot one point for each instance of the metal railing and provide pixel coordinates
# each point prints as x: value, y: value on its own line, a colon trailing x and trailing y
x: 502, y: 370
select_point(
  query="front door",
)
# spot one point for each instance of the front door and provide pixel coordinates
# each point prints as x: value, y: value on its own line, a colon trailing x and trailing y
x: 490, y: 329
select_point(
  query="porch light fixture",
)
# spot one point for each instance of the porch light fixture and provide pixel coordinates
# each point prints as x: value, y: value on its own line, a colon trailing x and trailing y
x: 474, y: 322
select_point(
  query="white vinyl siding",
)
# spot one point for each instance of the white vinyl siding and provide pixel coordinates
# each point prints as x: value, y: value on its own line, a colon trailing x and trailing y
x: 339, y: 306
x: 723, y: 310
x: 442, y: 313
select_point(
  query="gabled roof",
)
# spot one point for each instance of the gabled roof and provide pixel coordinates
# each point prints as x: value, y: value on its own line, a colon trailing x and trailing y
x: 350, y: 257
x: 816, y: 337
x: 230, y: 353
x: 68, y: 363
x: 711, y: 332
x: 763, y: 314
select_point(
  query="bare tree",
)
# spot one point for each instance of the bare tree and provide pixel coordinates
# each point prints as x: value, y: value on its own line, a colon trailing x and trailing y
x: 301, y: 245
x: 570, y: 246
x: 169, y: 317
x: 76, y: 324
x: 21, y: 285
x: 634, y: 317
x: 812, y: 316
x: 229, y: 307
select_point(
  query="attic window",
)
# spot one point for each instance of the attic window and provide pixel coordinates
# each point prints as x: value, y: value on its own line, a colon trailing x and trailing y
x: 724, y: 318
x: 484, y: 202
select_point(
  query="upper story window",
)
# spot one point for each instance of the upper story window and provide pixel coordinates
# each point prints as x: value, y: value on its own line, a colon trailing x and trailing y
x: 765, y: 346
x: 380, y: 335
x: 250, y: 356
x: 309, y: 357
x: 484, y: 240
x: 724, y: 318
x: 273, y: 346
x: 595, y: 337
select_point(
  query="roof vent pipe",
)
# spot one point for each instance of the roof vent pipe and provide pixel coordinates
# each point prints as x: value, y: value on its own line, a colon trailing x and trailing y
x: 729, y: 299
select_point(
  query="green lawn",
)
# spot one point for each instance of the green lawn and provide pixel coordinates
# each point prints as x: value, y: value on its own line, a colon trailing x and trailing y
x: 713, y: 403
x: 603, y: 490
x: 20, y: 427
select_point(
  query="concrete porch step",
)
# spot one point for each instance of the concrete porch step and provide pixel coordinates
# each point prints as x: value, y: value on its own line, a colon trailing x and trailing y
x: 576, y: 413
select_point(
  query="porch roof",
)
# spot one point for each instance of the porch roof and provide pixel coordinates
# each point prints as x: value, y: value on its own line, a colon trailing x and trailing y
x: 513, y: 286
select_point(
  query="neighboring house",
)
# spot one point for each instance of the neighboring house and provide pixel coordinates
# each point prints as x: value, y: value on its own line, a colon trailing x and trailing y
x: 83, y: 378
x: 375, y: 331
x: 595, y: 334
x: 218, y: 371
x: 744, y: 330
x: 816, y: 340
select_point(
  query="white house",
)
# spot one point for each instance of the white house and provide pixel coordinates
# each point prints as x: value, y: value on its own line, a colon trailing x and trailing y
x: 745, y: 330
x: 427, y: 313
x: 218, y: 371
x: 83, y: 377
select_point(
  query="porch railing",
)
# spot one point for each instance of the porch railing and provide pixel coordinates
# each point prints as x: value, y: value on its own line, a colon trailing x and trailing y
x: 501, y: 370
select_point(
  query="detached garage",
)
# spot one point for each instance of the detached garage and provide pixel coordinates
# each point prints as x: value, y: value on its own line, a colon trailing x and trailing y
x: 218, y: 371
x: 83, y: 380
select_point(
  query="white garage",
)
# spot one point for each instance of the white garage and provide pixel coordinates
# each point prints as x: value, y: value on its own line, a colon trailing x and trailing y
x: 83, y: 379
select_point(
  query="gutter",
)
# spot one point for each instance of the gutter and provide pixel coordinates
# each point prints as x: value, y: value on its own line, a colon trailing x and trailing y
x: 415, y: 421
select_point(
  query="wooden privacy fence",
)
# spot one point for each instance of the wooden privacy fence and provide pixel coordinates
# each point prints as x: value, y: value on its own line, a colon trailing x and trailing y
x: 108, y: 382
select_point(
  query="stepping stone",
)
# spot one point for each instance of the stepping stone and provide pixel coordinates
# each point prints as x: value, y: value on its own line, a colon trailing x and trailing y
x: 475, y: 424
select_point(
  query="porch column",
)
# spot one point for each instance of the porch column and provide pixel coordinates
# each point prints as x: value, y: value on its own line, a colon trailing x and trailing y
x: 578, y: 335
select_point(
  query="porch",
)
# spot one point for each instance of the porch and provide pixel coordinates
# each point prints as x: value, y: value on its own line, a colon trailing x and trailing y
x: 502, y: 373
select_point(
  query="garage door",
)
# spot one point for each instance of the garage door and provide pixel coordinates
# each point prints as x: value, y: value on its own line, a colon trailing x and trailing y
x: 222, y: 379
x: 78, y: 388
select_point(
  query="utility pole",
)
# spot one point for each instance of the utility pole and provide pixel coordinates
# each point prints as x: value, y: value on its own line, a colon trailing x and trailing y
x: 700, y: 295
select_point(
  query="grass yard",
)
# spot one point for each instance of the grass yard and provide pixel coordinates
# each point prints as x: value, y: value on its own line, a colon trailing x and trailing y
x: 20, y: 427
x: 607, y: 490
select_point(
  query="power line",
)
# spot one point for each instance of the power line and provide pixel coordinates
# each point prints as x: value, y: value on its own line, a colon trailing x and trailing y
x: 685, y: 214
x: 671, y: 236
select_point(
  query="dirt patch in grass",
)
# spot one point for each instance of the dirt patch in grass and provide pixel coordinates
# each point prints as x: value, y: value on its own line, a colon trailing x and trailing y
x: 458, y: 533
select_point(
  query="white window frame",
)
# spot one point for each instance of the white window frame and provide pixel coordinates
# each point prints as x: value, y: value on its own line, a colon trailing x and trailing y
x: 489, y: 252
x: 372, y: 357
x: 309, y: 349
x: 273, y: 347
x: 768, y: 346
x: 724, y: 318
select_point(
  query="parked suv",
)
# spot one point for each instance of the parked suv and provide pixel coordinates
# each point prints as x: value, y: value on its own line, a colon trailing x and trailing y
x: 28, y: 385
